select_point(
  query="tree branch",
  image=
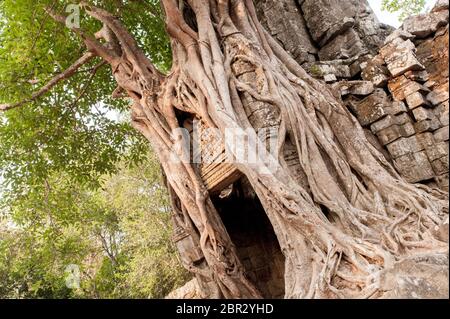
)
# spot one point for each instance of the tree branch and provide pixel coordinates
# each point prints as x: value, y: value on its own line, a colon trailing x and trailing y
x: 88, y: 83
x: 60, y: 77
x: 91, y: 43
x: 128, y: 43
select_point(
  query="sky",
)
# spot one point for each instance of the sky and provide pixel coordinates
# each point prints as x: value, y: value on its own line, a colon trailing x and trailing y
x: 391, y: 18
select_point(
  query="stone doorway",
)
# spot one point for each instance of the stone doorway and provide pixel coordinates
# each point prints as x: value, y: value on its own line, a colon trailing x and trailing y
x: 253, y: 235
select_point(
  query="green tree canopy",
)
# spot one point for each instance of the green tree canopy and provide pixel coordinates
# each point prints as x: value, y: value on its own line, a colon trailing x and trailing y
x: 116, y: 237
x: 404, y: 7
x: 74, y: 127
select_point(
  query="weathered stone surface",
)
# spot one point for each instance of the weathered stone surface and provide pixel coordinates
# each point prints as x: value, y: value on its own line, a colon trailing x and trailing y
x: 330, y: 78
x: 215, y: 168
x: 399, y: 33
x: 284, y: 21
x: 385, y: 122
x: 395, y: 86
x: 418, y: 76
x: 416, y: 99
x: 442, y: 113
x: 425, y: 139
x: 371, y: 108
x: 403, y: 118
x: 390, y: 120
x: 403, y: 44
x: 429, y: 84
x: 371, y: 32
x: 343, y: 46
x: 404, y: 146
x: 414, y: 167
x: 361, y: 88
x: 394, y: 132
x: 423, y: 25
x: 338, y: 68
x: 407, y: 129
x: 440, y: 5
x: 347, y: 15
x: 426, y: 93
x: 400, y: 58
x: 375, y: 70
x: 438, y: 95
x: 433, y: 54
x: 405, y: 61
x: 443, y: 181
x: 441, y: 134
x: 355, y: 68
x: 427, y: 125
x: 422, y: 114
x: 440, y: 165
x: 417, y: 277
x: 437, y: 151
x: 412, y: 87
x: 395, y: 108
x: 389, y: 134
x: 401, y: 87
x: 318, y: 19
x: 337, y: 29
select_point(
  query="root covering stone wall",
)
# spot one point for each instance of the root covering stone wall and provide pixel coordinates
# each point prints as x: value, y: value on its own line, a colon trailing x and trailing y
x: 408, y: 111
x: 394, y: 81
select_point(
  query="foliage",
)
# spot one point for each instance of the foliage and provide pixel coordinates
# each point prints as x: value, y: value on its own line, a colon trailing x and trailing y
x: 406, y: 8
x: 118, y: 236
x: 73, y: 129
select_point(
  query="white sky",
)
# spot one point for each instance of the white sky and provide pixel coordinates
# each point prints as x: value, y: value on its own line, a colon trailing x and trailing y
x: 392, y: 18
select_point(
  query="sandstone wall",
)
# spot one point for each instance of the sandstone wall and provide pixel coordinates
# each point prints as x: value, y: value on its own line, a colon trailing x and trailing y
x: 408, y: 111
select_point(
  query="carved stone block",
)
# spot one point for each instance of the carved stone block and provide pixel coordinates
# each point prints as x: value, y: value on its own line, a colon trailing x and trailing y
x: 414, y: 167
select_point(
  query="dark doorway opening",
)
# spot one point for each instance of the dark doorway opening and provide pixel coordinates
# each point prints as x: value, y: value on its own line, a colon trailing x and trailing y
x: 254, y: 238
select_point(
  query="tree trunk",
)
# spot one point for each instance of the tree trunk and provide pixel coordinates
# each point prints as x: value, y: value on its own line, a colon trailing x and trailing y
x: 342, y: 218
